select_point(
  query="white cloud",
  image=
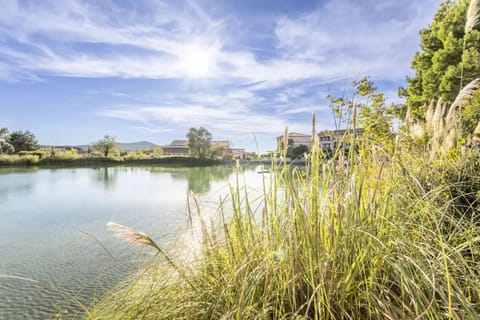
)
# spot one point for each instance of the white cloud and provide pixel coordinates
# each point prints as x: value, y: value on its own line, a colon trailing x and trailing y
x: 340, y: 39
x: 224, y: 120
x: 345, y: 37
x: 247, y: 87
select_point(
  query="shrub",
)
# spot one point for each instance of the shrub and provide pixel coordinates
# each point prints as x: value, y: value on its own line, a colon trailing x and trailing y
x: 17, y: 160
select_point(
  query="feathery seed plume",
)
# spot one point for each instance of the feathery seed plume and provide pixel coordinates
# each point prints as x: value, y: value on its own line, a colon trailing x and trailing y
x: 477, y: 129
x: 139, y: 237
x: 429, y: 117
x: 437, y: 120
x: 417, y: 131
x: 466, y: 93
x: 449, y: 142
x: 451, y: 119
x: 473, y: 16
x: 408, y: 121
x: 131, y: 235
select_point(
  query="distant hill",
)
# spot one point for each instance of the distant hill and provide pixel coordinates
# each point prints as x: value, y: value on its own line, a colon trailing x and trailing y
x: 129, y: 146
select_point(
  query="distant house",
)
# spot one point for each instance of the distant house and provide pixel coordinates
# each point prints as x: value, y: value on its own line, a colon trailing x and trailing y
x: 65, y: 148
x: 238, y: 153
x: 180, y: 147
x: 176, y: 147
x: 298, y: 139
x: 330, y: 139
x: 220, y: 144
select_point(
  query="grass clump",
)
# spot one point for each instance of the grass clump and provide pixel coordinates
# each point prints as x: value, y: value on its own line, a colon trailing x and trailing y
x: 366, y: 240
x: 17, y: 160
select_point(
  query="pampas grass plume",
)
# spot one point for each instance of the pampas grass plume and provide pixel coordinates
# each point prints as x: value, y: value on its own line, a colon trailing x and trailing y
x: 477, y: 129
x: 466, y: 93
x: 408, y: 121
x: 473, y: 16
x: 449, y: 142
x: 131, y: 235
x: 437, y: 121
x: 429, y: 117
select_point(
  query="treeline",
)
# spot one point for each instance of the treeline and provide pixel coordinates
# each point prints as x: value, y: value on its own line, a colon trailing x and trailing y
x: 21, y: 148
x: 17, y: 141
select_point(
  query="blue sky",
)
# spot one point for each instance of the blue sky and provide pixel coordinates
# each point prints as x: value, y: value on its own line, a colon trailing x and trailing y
x: 73, y: 71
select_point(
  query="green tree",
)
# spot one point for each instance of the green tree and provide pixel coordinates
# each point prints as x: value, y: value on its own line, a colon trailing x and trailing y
x: 106, y: 146
x: 449, y: 57
x: 199, y: 142
x: 374, y: 115
x: 298, y: 151
x: 23, y: 141
x: 5, y: 146
x: 281, y: 147
x: 220, y: 152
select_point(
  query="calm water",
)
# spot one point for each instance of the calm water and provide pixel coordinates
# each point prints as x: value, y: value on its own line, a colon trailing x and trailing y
x: 54, y: 247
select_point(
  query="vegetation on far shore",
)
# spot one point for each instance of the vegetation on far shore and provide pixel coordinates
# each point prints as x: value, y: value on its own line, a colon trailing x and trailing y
x: 22, y: 149
x: 85, y: 161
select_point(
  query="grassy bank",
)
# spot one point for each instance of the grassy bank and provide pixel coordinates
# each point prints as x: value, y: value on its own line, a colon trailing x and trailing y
x: 388, y: 236
x: 33, y: 160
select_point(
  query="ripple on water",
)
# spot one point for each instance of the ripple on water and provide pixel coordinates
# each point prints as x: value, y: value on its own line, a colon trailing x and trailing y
x: 61, y: 288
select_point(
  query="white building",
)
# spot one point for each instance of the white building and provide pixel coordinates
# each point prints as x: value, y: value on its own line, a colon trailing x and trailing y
x: 297, y: 139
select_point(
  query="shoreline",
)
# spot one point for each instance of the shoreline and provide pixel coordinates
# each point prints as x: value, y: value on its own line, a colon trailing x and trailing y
x: 28, y: 161
x: 101, y: 161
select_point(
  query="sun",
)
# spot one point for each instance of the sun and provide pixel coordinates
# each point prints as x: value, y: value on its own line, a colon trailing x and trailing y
x: 197, y: 61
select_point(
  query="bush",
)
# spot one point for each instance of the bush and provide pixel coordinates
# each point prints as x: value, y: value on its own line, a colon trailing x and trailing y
x: 17, y: 160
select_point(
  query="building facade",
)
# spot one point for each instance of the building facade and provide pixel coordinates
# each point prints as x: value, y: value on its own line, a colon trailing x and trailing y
x: 329, y: 140
x: 180, y: 147
x: 297, y: 139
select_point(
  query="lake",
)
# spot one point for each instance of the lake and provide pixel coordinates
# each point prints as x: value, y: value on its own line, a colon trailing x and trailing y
x: 55, y: 251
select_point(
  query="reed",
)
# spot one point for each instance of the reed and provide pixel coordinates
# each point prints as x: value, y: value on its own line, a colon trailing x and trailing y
x: 365, y: 240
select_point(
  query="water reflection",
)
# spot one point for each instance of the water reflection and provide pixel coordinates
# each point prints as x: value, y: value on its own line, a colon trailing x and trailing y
x: 199, y: 179
x: 18, y: 186
x: 8, y: 170
x: 107, y: 177
x: 43, y: 211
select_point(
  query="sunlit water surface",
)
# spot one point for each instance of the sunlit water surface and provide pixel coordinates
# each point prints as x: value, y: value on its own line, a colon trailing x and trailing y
x: 55, y: 252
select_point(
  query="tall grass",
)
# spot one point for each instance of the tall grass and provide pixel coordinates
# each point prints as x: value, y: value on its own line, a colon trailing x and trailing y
x: 366, y: 240
x: 15, y: 160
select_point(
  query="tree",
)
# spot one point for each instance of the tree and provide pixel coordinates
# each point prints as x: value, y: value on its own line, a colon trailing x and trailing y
x: 374, y: 115
x: 449, y: 57
x: 298, y: 151
x: 23, y: 141
x: 5, y: 147
x: 220, y: 152
x: 106, y: 146
x: 281, y: 147
x: 199, y: 142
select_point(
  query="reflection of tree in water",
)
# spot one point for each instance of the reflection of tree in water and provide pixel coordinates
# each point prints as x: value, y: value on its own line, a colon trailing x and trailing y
x: 8, y: 170
x: 19, y: 185
x: 199, y: 178
x: 107, y: 176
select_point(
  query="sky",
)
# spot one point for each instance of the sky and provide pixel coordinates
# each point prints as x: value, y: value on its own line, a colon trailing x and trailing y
x: 72, y: 71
